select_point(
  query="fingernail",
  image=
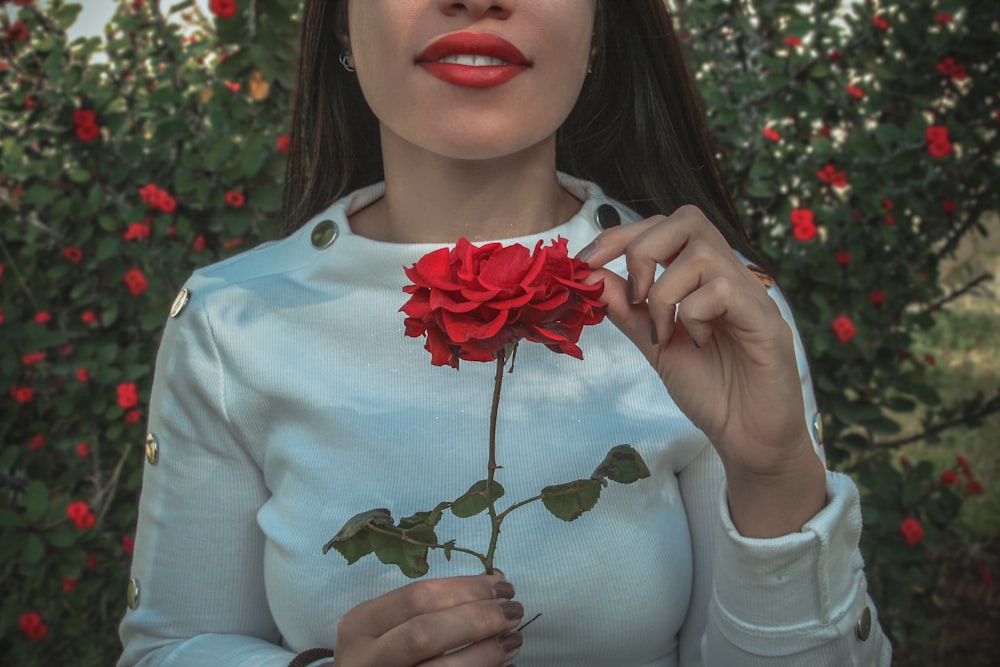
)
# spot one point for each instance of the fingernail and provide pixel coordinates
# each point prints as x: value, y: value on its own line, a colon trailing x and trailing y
x: 512, y: 610
x: 511, y: 641
x: 633, y: 291
x: 653, y: 337
x: 586, y: 253
x: 503, y: 590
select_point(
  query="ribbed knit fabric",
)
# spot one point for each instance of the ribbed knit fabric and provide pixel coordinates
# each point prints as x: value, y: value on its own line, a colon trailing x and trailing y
x: 287, y: 399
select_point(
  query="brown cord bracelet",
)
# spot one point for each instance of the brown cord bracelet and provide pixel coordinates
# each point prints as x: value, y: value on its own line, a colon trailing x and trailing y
x: 308, y: 657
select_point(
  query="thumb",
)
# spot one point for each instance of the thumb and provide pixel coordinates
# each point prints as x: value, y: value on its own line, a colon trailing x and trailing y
x: 631, y: 319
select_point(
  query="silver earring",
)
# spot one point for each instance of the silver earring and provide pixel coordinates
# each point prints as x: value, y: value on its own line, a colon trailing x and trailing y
x: 345, y: 59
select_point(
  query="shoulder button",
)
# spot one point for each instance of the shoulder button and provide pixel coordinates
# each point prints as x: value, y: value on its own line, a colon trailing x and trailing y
x: 324, y: 234
x: 607, y: 216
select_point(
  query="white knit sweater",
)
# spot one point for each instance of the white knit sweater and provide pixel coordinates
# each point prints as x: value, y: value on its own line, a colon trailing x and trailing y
x: 287, y: 399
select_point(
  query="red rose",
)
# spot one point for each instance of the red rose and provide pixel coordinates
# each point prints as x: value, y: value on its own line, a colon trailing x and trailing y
x: 128, y: 396
x: 792, y: 41
x: 79, y: 513
x: 843, y: 328
x: 68, y: 584
x: 829, y: 174
x: 43, y: 317
x: 32, y: 625
x: 949, y: 206
x: 912, y: 531
x: 235, y: 199
x: 772, y: 134
x: 135, y: 282
x: 844, y: 258
x: 84, y: 117
x: 936, y: 133
x: 949, y: 478
x: 37, y: 442
x: 136, y: 231
x: 22, y: 394
x: 973, y: 487
x: 33, y: 358
x: 132, y: 417
x: 471, y: 301
x: 877, y: 297
x: 943, y: 18
x: 82, y: 374
x: 88, y: 132
x: 951, y: 68
x: 855, y: 92
x: 128, y: 544
x: 82, y: 450
x: 199, y: 243
x: 88, y: 317
x: 880, y: 23
x: 939, y: 149
x: 224, y: 9
x: 803, y: 227
x: 73, y: 254
x: 284, y: 143
x: 18, y: 32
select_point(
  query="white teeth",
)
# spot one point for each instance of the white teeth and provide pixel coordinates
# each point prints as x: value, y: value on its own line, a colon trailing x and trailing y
x: 472, y: 61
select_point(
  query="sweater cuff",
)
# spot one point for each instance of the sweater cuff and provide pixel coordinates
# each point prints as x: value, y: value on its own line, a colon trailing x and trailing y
x: 806, y: 586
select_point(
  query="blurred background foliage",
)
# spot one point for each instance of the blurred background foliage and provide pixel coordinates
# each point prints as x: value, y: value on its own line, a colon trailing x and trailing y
x: 859, y: 139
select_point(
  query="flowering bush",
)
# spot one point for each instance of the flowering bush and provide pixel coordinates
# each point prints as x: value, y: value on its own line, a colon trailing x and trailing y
x: 859, y: 139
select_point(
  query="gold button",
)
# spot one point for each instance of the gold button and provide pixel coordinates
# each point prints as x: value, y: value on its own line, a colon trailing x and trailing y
x: 865, y: 623
x: 818, y: 427
x: 132, y: 597
x: 152, y: 449
x: 325, y: 233
x: 180, y: 302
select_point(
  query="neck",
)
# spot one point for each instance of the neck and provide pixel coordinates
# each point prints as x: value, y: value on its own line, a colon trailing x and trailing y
x: 430, y: 198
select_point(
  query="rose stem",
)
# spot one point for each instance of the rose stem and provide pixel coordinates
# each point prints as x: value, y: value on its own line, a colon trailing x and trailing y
x: 501, y: 358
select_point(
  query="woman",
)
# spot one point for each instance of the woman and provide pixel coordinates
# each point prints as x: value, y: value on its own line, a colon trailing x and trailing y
x: 287, y: 399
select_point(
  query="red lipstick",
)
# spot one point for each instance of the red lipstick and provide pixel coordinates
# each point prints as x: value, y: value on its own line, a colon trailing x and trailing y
x: 473, y: 60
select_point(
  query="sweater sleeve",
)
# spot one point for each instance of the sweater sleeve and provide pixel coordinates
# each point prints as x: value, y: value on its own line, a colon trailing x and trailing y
x: 796, y: 600
x: 197, y: 595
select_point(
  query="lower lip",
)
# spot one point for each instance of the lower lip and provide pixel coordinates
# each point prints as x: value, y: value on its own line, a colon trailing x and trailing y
x: 473, y: 77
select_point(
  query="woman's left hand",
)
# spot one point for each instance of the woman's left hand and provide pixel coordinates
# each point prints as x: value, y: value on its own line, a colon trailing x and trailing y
x: 716, y: 339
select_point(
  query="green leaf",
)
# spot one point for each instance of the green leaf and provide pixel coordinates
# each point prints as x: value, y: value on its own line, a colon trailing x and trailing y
x: 9, y: 518
x: 411, y: 559
x: 351, y: 541
x: 623, y: 464
x: 569, y: 501
x: 33, y: 549
x: 36, y: 500
x: 62, y: 537
x: 476, y: 499
x: 429, y: 519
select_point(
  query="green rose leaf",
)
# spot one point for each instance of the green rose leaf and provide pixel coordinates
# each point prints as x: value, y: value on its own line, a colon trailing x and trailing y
x: 36, y: 500
x: 406, y: 549
x: 351, y: 541
x: 569, y: 501
x: 623, y: 464
x: 429, y: 519
x: 475, y: 500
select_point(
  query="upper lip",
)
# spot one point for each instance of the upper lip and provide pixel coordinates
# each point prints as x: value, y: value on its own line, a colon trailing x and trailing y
x: 473, y: 44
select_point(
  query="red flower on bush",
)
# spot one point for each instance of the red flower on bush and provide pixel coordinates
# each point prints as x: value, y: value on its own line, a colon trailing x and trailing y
x: 793, y: 41
x: 37, y: 442
x: 128, y: 395
x: 68, y: 584
x: 943, y: 18
x: 128, y: 544
x: 87, y: 133
x: 33, y: 626
x: 157, y: 198
x: 949, y: 206
x: 911, y: 530
x: 82, y: 450
x: 844, y: 258
x: 877, y: 297
x: 938, y: 143
x: 284, y: 143
x: 830, y: 174
x: 132, y: 417
x: 33, y: 358
x: 43, y: 317
x: 85, y: 121
x: 79, y: 513
x: 224, y: 9
x: 472, y: 301
x: 880, y: 23
x: 235, y: 198
x: 855, y: 92
x: 843, y: 328
x: 953, y: 69
x: 199, y: 243
x: 137, y: 231
x: 803, y: 227
x: 82, y: 375
x: 88, y: 317
x: 17, y: 32
x: 135, y: 282
x: 963, y: 463
x: 233, y: 243
x: 73, y: 254
x: 22, y: 394
x: 772, y: 134
x: 973, y: 487
x: 949, y: 478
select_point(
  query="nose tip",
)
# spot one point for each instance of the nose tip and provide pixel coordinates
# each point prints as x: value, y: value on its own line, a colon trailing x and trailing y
x: 479, y: 8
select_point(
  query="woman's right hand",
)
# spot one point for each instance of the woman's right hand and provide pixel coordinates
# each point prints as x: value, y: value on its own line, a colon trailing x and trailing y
x: 452, y: 622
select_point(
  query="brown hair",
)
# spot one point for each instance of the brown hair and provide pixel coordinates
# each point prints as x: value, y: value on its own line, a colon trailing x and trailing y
x: 638, y: 129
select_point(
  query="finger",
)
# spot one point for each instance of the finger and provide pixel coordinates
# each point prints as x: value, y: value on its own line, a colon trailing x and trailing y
x: 631, y: 319
x: 490, y: 652
x: 375, y: 617
x: 429, y: 636
x: 724, y: 303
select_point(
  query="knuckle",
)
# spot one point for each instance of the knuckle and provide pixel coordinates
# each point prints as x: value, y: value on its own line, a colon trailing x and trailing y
x: 420, y: 638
